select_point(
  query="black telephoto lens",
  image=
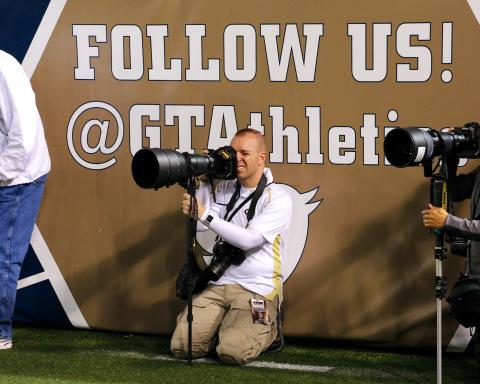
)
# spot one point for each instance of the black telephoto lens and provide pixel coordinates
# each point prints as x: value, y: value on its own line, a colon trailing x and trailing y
x: 405, y: 147
x: 157, y: 168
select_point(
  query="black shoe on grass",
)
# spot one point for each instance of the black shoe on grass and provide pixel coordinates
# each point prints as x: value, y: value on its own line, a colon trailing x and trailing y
x: 476, y: 344
x: 279, y: 343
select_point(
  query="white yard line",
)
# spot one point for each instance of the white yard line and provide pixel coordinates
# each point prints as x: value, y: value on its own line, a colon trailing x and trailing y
x: 255, y: 364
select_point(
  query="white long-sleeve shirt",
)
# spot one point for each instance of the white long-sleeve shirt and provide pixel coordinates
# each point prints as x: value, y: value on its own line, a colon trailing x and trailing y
x: 262, y: 239
x: 23, y: 150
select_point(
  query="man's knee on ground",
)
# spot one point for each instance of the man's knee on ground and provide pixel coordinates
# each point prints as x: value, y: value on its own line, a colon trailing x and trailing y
x: 179, y: 344
x: 179, y: 349
x: 235, y: 355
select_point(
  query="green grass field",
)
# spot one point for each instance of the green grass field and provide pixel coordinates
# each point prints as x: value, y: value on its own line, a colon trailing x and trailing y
x: 75, y: 356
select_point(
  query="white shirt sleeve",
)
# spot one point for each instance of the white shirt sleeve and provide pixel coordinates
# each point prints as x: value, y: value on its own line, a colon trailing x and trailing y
x: 269, y: 221
x: 16, y: 116
x: 243, y: 238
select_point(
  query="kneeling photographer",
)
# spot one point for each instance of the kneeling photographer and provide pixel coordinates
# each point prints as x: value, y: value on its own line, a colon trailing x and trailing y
x: 236, y: 312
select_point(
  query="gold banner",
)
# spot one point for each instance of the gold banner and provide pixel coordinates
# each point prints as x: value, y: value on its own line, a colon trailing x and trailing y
x: 325, y: 81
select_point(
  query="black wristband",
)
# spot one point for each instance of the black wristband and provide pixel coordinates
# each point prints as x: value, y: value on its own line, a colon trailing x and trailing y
x: 208, y: 220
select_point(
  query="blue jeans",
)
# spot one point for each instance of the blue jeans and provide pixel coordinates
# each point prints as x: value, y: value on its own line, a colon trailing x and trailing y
x: 18, y: 211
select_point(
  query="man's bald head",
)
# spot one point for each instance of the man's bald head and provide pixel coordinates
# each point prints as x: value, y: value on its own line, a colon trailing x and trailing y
x: 259, y: 138
x: 249, y: 144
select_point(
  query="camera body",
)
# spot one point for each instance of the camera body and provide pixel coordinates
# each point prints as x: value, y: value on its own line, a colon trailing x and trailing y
x: 458, y: 245
x: 224, y: 255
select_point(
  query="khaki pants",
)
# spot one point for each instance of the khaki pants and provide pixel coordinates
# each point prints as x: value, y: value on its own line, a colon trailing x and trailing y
x: 224, y: 311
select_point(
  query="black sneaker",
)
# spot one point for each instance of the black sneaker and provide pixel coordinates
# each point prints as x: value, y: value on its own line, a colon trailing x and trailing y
x: 279, y: 343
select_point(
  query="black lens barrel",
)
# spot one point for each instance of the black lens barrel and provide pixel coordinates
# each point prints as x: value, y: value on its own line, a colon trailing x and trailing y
x: 409, y: 146
x: 157, y: 168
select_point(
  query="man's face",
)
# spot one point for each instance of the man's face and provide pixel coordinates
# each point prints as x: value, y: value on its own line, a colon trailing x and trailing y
x: 250, y: 158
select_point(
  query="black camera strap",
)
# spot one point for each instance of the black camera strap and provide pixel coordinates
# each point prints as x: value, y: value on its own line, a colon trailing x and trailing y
x: 254, y: 196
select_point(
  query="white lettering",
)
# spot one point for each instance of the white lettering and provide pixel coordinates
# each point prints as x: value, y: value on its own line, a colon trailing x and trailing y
x: 340, y: 140
x: 278, y: 66
x: 82, y: 33
x: 314, y: 155
x: 184, y: 114
x: 247, y: 70
x: 360, y: 70
x: 369, y: 134
x: 279, y: 133
x: 120, y: 69
x: 222, y: 116
x: 196, y: 72
x: 137, y: 112
x: 157, y: 34
x: 405, y: 73
x: 102, y: 143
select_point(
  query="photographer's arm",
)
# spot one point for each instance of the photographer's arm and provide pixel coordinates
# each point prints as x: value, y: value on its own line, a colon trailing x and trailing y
x: 265, y: 226
x: 467, y: 228
x: 435, y: 217
x: 243, y: 238
x: 204, y: 203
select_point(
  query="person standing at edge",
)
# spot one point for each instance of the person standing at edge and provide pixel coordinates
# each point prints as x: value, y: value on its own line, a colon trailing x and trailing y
x: 24, y: 165
x: 463, y: 186
x: 239, y: 310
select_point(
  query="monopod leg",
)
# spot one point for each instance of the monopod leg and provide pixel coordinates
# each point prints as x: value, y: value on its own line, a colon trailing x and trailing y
x: 438, y: 197
x: 440, y: 282
x: 191, y: 232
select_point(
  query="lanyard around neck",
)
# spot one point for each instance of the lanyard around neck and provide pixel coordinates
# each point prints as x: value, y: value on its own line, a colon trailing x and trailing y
x: 254, y: 196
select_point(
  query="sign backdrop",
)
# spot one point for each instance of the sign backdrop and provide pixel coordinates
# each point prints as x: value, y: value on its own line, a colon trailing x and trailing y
x: 324, y: 81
